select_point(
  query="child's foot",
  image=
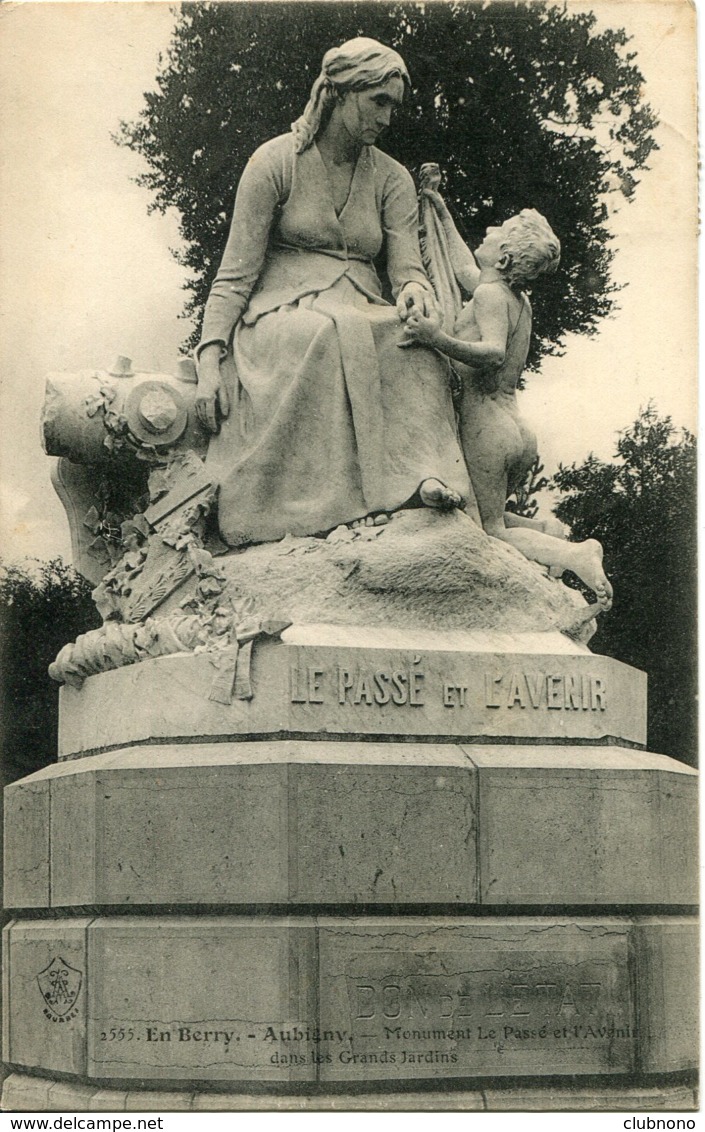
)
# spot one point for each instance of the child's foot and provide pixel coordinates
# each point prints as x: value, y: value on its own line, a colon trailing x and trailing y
x: 588, y: 566
x: 435, y: 494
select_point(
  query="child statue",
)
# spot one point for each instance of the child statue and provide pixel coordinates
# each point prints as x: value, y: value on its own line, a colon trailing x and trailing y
x: 488, y: 345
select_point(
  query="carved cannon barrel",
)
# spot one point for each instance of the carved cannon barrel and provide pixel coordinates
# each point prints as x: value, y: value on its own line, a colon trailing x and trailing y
x: 91, y: 415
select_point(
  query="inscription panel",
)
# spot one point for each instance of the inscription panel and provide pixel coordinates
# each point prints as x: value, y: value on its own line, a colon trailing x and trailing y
x: 368, y: 691
x: 385, y: 691
x: 463, y: 1001
x: 411, y: 680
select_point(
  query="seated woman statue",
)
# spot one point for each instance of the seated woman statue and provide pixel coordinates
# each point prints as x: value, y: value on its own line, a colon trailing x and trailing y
x: 320, y: 419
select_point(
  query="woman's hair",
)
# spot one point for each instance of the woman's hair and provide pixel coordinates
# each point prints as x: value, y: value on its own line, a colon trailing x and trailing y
x: 533, y: 246
x: 356, y: 65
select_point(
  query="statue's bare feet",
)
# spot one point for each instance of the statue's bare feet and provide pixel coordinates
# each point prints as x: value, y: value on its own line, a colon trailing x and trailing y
x: 376, y: 522
x: 433, y: 493
x: 587, y: 564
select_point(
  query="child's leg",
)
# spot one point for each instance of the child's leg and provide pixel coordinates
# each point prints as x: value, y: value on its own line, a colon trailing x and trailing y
x: 493, y: 443
x: 489, y: 439
x: 547, y: 526
x: 583, y: 558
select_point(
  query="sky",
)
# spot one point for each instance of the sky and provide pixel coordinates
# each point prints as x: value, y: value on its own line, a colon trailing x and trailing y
x: 86, y: 274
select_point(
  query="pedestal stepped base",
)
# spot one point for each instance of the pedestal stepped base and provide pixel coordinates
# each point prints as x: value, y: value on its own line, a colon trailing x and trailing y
x: 467, y: 870
x: 23, y: 1093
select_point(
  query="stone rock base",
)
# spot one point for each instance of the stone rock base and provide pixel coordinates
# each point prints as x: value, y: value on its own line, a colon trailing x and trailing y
x: 416, y: 572
x: 22, y: 1093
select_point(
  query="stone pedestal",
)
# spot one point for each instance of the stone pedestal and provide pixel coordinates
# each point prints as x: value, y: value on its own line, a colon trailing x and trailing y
x: 411, y: 872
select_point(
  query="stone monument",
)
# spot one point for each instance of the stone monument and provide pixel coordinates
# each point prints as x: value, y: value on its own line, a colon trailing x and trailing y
x: 346, y: 812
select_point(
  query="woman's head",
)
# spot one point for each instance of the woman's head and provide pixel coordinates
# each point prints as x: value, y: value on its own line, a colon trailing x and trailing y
x: 359, y: 65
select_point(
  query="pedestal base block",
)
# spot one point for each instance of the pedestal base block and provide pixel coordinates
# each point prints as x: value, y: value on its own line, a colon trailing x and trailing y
x: 188, y: 999
x: 326, y: 681
x: 312, y: 822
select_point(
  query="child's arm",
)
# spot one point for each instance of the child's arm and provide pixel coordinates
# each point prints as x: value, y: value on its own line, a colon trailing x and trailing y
x: 461, y: 258
x: 491, y: 314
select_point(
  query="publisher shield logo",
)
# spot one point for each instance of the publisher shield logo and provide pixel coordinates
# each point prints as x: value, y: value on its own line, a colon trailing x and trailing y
x: 60, y: 984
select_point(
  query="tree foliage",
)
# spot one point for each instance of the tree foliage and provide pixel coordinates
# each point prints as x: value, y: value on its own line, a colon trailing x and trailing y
x: 522, y: 500
x: 643, y: 510
x: 521, y: 105
x: 41, y: 608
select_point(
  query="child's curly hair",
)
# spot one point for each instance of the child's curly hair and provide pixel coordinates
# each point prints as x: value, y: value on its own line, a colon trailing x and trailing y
x: 533, y: 246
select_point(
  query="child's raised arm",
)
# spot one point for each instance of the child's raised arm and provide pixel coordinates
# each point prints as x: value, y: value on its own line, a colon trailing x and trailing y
x: 462, y: 260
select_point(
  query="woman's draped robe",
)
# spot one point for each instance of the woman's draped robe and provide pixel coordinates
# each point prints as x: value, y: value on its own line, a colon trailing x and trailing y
x: 329, y: 419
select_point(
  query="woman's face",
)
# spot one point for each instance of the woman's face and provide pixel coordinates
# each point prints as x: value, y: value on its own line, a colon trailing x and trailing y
x: 366, y: 113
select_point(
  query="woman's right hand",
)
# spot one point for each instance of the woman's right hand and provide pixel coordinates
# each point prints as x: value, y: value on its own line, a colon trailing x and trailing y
x: 211, y: 389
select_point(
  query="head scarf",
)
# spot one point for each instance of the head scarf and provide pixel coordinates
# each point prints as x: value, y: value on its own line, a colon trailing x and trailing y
x: 356, y: 65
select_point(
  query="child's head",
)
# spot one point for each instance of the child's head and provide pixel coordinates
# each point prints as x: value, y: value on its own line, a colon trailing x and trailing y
x: 522, y: 249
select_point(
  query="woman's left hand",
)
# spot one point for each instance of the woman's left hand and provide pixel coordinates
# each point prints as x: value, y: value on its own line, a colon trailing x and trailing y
x: 414, y: 297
